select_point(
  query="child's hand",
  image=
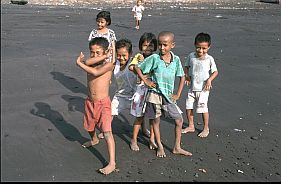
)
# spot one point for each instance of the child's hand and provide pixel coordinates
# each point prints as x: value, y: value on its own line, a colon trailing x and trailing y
x: 150, y: 83
x: 140, y: 57
x: 187, y: 80
x: 208, y: 85
x: 80, y: 58
x: 174, y: 98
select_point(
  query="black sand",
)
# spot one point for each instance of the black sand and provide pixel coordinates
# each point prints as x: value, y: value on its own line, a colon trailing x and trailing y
x: 42, y: 94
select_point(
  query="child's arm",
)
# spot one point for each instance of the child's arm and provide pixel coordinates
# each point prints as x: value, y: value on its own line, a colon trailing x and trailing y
x: 208, y: 85
x: 187, y: 77
x: 94, y: 60
x: 138, y: 58
x: 178, y: 94
x: 91, y: 70
x: 146, y: 81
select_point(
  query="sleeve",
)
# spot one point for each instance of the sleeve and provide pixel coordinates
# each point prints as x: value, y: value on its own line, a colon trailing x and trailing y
x: 91, y: 36
x: 112, y: 36
x: 142, y: 8
x: 187, y: 62
x: 135, y: 60
x: 134, y: 9
x: 147, y: 65
x: 179, y: 69
x: 213, y: 66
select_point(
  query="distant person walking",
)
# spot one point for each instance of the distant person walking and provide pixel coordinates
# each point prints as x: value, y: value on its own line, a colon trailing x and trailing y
x: 138, y: 10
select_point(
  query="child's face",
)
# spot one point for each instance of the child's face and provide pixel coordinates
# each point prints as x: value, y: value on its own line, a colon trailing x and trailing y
x: 123, y: 55
x: 202, y: 49
x: 138, y: 3
x: 96, y: 51
x: 165, y: 44
x: 147, y: 48
x: 101, y: 23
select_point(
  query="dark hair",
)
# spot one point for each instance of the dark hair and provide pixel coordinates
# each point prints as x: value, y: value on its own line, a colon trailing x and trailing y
x: 105, y: 15
x: 202, y: 37
x: 124, y: 43
x: 100, y: 41
x: 149, y: 37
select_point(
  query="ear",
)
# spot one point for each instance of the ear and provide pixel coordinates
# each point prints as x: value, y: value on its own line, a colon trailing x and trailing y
x: 173, y: 45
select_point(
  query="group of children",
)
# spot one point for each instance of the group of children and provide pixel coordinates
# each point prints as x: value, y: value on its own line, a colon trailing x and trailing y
x: 145, y: 86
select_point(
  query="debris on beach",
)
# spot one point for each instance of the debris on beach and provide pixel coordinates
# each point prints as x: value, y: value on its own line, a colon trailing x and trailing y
x: 203, y: 170
x: 271, y: 1
x: 19, y: 2
x: 240, y: 171
x: 254, y: 137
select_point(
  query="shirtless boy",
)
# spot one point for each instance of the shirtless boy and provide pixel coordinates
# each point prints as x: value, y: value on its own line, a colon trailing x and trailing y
x: 98, y: 104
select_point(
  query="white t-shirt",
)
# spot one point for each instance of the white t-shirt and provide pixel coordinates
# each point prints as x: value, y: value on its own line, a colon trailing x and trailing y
x: 126, y: 81
x: 138, y: 11
x: 199, y: 70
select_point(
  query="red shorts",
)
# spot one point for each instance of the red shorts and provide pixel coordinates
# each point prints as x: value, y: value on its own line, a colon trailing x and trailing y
x: 98, y: 113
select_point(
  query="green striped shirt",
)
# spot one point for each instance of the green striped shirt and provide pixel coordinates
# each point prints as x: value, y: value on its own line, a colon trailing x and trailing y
x: 161, y: 73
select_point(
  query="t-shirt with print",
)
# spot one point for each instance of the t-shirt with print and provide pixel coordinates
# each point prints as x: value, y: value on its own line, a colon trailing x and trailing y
x: 162, y: 73
x: 199, y: 70
x: 109, y: 35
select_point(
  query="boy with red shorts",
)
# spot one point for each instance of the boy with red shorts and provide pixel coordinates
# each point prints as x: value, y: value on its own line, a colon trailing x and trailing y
x: 98, y: 103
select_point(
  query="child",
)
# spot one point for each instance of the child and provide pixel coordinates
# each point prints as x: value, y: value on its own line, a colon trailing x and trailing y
x: 197, y: 68
x: 147, y: 45
x: 103, y: 20
x: 98, y: 104
x: 125, y: 79
x: 138, y: 9
x: 164, y: 67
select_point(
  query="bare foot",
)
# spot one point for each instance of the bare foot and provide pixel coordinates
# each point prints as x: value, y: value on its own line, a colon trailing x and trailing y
x: 152, y: 145
x: 188, y: 129
x: 204, y: 133
x: 146, y: 133
x: 101, y: 136
x: 90, y: 143
x: 160, y: 153
x: 181, y: 152
x: 108, y: 169
x: 134, y: 146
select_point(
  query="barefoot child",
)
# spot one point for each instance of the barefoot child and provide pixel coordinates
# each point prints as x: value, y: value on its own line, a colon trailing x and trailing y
x: 125, y: 79
x: 200, y: 71
x: 164, y: 67
x: 147, y: 45
x: 98, y: 104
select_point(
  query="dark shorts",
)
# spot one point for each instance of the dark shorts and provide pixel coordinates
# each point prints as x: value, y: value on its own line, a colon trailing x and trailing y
x: 157, y: 105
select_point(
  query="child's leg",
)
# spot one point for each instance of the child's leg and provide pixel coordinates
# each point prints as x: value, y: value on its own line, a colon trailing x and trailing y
x: 137, y: 124
x: 94, y: 140
x: 152, y: 144
x: 205, y: 131
x: 156, y: 129
x: 143, y: 128
x: 111, y: 152
x: 177, y: 148
x: 190, y: 118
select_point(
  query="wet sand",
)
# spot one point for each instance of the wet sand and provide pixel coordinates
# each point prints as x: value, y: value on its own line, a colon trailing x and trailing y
x: 42, y: 95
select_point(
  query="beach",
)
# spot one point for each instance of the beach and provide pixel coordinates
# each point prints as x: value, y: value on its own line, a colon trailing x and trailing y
x: 43, y: 92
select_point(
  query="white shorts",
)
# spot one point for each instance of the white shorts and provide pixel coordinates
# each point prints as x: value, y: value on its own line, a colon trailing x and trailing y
x: 138, y: 17
x: 119, y: 104
x: 198, y: 97
x: 138, y: 101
